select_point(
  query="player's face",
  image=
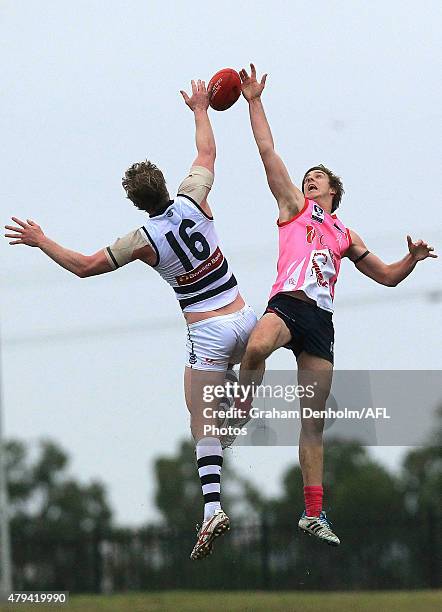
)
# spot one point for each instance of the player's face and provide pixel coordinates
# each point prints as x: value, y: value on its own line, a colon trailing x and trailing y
x: 317, y: 185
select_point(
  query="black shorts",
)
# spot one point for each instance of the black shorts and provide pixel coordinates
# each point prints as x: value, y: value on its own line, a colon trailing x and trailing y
x: 311, y: 327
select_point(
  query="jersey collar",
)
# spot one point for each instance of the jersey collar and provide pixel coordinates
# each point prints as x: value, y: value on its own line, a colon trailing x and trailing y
x: 162, y: 210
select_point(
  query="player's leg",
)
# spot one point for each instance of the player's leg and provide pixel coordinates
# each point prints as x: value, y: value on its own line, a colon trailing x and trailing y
x: 269, y: 334
x: 209, y: 455
x: 209, y: 346
x: 313, y: 370
x: 243, y: 323
x: 199, y: 391
x: 317, y: 372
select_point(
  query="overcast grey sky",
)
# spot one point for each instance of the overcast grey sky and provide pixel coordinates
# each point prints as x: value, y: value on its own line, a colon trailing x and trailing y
x: 90, y: 87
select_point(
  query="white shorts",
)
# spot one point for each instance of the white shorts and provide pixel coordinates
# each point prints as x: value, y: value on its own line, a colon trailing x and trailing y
x: 214, y: 343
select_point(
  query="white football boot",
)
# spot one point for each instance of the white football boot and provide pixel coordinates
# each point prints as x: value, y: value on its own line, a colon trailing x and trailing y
x: 319, y: 527
x: 211, y: 529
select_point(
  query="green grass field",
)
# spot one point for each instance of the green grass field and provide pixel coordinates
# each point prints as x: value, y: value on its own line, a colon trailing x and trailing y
x: 182, y: 601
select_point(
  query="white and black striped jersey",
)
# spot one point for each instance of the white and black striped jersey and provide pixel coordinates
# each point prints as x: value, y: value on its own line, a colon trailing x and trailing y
x: 189, y: 257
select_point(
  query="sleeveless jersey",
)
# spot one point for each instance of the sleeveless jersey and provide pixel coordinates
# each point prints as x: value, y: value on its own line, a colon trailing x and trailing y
x: 189, y: 257
x: 311, y: 246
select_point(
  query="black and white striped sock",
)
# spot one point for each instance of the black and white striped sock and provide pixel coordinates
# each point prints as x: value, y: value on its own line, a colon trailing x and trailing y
x: 209, y: 455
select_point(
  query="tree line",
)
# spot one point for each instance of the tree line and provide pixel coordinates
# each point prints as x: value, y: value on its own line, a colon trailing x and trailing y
x: 64, y: 536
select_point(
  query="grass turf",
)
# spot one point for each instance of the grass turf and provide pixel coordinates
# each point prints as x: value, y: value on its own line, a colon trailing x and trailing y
x: 197, y: 601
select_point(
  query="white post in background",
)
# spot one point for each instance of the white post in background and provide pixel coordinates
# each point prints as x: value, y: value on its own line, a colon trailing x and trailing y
x: 5, y: 544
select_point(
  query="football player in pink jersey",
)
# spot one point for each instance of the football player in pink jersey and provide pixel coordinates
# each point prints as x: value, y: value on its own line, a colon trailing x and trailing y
x: 312, y: 242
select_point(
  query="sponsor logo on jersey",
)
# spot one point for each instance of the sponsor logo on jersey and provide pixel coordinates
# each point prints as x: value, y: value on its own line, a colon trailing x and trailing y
x: 310, y: 232
x: 317, y: 270
x: 169, y: 213
x: 192, y: 359
x: 212, y: 263
x: 317, y: 213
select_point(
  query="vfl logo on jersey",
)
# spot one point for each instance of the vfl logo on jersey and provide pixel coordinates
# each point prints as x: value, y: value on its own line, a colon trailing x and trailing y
x: 310, y: 233
x: 317, y: 213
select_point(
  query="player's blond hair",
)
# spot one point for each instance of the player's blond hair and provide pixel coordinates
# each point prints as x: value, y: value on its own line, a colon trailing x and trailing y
x: 335, y: 183
x: 145, y: 186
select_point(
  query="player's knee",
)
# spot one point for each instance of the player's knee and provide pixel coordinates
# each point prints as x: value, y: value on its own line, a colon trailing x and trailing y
x: 256, y: 353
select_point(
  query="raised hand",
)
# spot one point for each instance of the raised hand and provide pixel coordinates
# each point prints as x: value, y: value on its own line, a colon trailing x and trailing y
x: 420, y: 249
x: 27, y: 233
x: 250, y: 87
x: 200, y: 97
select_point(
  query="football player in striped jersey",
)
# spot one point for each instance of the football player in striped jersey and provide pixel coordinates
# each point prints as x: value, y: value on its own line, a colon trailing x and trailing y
x: 179, y: 241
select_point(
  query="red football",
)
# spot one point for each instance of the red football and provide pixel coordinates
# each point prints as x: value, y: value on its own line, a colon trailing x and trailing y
x: 224, y: 89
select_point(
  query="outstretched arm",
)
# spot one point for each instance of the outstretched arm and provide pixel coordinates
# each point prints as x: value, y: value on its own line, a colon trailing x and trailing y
x: 31, y: 234
x: 199, y: 182
x: 204, y: 138
x: 387, y: 274
x: 290, y: 199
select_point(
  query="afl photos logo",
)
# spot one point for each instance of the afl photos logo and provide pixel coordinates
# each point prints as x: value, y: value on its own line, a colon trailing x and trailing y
x: 310, y: 233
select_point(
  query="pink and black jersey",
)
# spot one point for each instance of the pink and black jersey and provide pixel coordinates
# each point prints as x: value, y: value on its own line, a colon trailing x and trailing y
x: 311, y: 246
